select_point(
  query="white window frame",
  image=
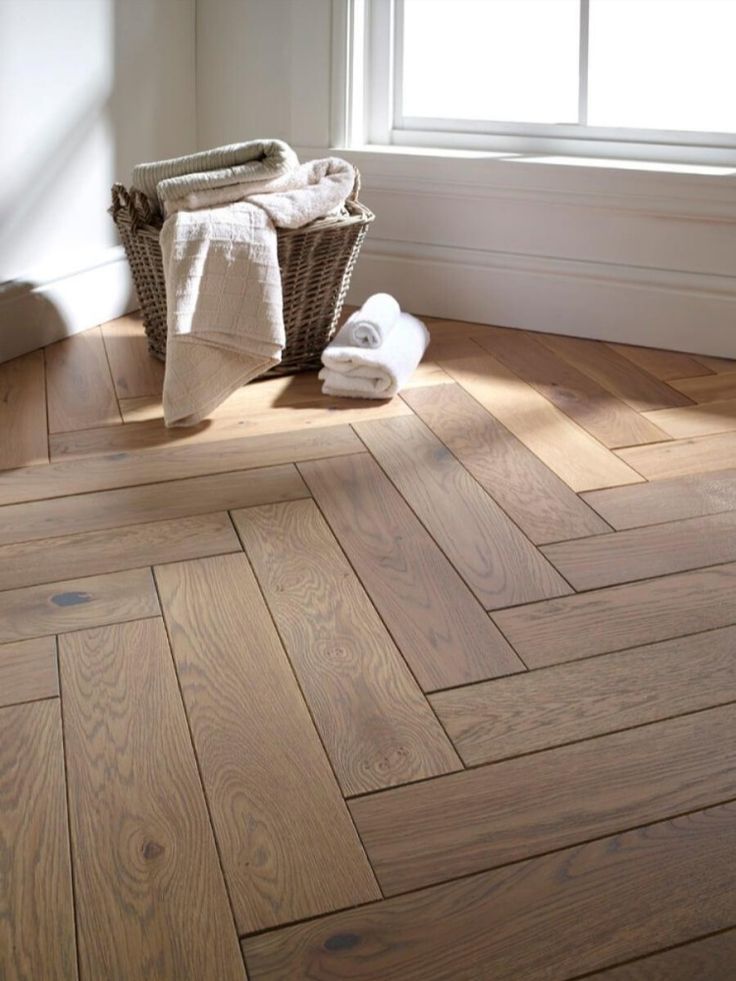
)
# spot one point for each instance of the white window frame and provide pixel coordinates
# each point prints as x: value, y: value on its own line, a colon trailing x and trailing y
x: 368, y: 111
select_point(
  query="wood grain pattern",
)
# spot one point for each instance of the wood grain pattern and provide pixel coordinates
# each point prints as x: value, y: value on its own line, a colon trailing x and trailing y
x: 579, y: 396
x: 37, y: 921
x: 23, y: 435
x: 622, y: 616
x: 492, y: 815
x: 664, y: 365
x: 709, y: 388
x: 79, y: 385
x: 574, y: 455
x: 114, y: 549
x: 666, y: 500
x: 173, y: 463
x: 149, y: 502
x: 556, y: 916
x: 618, y: 374
x: 709, y: 959
x: 696, y: 420
x: 681, y: 457
x: 717, y: 364
x: 375, y: 723
x: 286, y: 841
x: 28, y: 670
x: 541, y: 504
x: 642, y: 553
x: 134, y: 371
x: 540, y: 709
x: 434, y: 619
x: 36, y: 611
x: 150, y: 897
x: 496, y: 560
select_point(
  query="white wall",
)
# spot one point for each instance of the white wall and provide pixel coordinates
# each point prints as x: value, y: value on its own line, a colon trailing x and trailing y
x: 89, y: 87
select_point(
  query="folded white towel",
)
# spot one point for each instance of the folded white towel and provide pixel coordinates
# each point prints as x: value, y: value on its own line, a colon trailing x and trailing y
x: 374, y: 373
x: 370, y: 326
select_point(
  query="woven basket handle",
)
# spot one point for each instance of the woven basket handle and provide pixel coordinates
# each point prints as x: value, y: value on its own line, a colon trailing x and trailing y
x: 134, y: 203
x: 353, y: 196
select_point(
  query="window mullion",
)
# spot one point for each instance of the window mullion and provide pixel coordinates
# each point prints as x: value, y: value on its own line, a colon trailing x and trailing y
x: 583, y: 63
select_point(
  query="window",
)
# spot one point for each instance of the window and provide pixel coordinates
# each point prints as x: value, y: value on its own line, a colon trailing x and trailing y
x: 646, y: 78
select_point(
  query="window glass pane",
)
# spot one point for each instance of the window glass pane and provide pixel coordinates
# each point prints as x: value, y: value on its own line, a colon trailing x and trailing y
x: 503, y: 60
x: 663, y: 64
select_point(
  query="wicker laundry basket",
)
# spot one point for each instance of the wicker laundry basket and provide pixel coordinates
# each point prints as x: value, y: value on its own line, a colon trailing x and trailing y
x: 316, y: 265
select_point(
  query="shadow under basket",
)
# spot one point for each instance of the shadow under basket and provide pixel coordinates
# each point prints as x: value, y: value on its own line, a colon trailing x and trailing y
x: 316, y: 264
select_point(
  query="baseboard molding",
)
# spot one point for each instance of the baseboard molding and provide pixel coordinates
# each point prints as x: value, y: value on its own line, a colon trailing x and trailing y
x: 38, y: 310
x: 690, y: 312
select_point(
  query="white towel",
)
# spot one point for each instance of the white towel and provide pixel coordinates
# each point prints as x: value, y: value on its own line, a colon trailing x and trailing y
x: 371, y: 325
x: 374, y: 373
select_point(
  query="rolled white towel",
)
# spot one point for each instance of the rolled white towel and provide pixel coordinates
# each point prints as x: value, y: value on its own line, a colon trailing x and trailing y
x: 374, y: 373
x: 371, y: 325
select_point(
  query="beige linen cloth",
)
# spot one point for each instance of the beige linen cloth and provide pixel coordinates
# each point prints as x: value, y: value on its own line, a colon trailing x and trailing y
x: 223, y: 283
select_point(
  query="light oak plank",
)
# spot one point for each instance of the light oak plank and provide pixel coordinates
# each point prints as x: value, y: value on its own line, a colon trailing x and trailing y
x: 666, y: 500
x: 150, y: 897
x: 375, y: 723
x: 496, y: 560
x: 36, y: 611
x: 540, y: 709
x: 580, y: 397
x: 574, y: 455
x: 434, y: 619
x: 37, y: 921
x: 79, y: 385
x: 23, y: 432
x: 286, y: 841
x: 621, y: 616
x: 479, y: 819
x: 710, y: 388
x: 717, y: 364
x: 696, y: 420
x: 114, y: 549
x: 709, y: 959
x: 539, y: 502
x: 556, y: 916
x: 664, y: 365
x: 642, y: 553
x: 149, y: 502
x: 135, y: 372
x: 681, y: 457
x: 173, y: 463
x: 618, y: 374
x: 28, y: 670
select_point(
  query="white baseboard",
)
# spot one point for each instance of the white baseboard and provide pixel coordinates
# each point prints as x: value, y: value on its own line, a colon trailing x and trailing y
x: 691, y: 312
x: 43, y: 308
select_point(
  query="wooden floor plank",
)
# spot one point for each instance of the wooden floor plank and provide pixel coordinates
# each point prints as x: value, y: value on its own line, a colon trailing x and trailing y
x: 150, y: 896
x: 466, y: 822
x: 717, y: 364
x: 79, y: 384
x: 664, y: 365
x: 574, y: 455
x: 709, y: 388
x: 28, y: 670
x: 557, y: 916
x: 375, y: 723
x: 569, y: 702
x: 37, y: 921
x: 135, y: 372
x: 709, y: 959
x: 638, y: 388
x: 642, y: 553
x: 23, y: 431
x: 696, y: 420
x: 37, y: 611
x: 666, y: 500
x: 173, y: 463
x: 579, y: 396
x: 541, y: 504
x: 496, y: 560
x: 681, y: 457
x: 434, y: 619
x: 149, y: 502
x: 621, y: 616
x: 287, y: 844
x: 114, y: 549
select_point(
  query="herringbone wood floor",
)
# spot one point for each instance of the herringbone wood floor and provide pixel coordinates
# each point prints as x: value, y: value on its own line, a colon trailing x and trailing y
x: 438, y: 688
